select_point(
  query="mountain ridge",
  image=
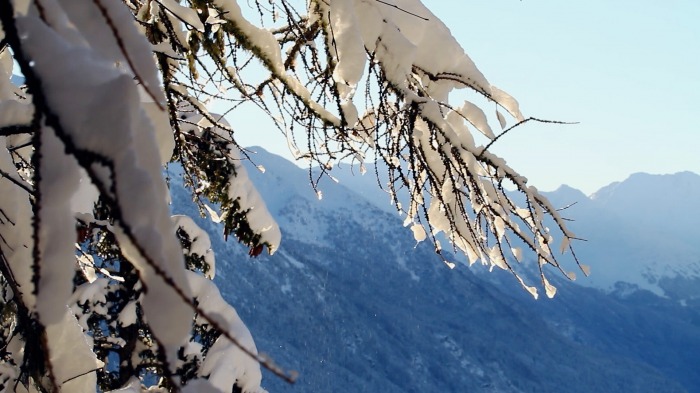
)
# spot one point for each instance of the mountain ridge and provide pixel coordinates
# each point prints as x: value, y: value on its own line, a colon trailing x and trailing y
x: 625, y: 242
x: 354, y: 304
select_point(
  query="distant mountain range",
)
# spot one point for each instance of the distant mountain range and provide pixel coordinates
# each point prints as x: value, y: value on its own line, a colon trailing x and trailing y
x: 642, y: 231
x: 353, y: 304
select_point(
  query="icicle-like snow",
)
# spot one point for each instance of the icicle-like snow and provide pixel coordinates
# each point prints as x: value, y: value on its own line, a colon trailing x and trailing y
x: 16, y: 230
x: 99, y: 111
x: 73, y: 362
x: 349, y: 47
x: 226, y: 363
x: 59, y: 180
x: 125, y: 44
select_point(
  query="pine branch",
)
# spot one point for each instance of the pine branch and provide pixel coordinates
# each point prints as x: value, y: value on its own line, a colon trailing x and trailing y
x: 16, y: 182
x: 86, y: 159
x: 34, y: 84
x: 17, y: 129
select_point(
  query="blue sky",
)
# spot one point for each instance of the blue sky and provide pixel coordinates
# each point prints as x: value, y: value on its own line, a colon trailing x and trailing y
x: 627, y: 71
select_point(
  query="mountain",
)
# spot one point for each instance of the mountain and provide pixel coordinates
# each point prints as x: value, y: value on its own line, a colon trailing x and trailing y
x: 641, y: 231
x: 352, y: 303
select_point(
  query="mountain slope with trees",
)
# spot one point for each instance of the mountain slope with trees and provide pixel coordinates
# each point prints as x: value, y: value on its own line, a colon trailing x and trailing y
x: 357, y: 305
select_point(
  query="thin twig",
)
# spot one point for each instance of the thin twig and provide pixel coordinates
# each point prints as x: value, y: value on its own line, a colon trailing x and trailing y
x: 519, y: 124
x: 16, y: 182
x: 80, y: 375
x: 402, y: 10
x: 12, y: 149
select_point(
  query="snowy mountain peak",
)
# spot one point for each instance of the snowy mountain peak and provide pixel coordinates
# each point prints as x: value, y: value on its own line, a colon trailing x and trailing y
x: 642, y: 231
x: 652, y: 185
x: 567, y: 194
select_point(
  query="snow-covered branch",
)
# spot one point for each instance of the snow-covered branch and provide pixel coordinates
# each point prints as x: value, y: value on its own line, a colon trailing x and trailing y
x: 113, y: 90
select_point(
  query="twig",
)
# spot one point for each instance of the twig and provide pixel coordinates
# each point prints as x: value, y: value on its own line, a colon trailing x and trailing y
x: 16, y: 129
x: 12, y: 149
x: 80, y: 375
x: 16, y: 182
x: 402, y: 10
x: 519, y: 124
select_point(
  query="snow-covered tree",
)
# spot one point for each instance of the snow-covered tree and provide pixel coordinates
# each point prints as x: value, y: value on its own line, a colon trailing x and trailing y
x: 112, y: 90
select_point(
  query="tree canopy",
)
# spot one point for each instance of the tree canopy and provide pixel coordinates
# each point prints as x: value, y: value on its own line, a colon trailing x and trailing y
x: 114, y: 90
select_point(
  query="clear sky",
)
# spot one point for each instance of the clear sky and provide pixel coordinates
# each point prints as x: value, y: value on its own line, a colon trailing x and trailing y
x: 627, y: 71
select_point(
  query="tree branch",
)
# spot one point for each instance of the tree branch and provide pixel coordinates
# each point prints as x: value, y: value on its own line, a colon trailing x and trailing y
x: 517, y: 125
x: 87, y: 159
x: 17, y: 129
x: 16, y: 182
x: 402, y: 10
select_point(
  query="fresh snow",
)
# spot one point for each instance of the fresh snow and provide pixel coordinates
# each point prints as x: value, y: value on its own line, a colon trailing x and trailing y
x: 106, y: 132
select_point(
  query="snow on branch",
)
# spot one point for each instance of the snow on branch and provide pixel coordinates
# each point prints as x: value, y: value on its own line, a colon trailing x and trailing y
x: 404, y: 63
x: 113, y: 90
x: 96, y: 130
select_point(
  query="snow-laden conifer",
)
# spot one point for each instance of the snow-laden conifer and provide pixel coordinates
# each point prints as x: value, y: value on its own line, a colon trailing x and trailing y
x: 101, y: 287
